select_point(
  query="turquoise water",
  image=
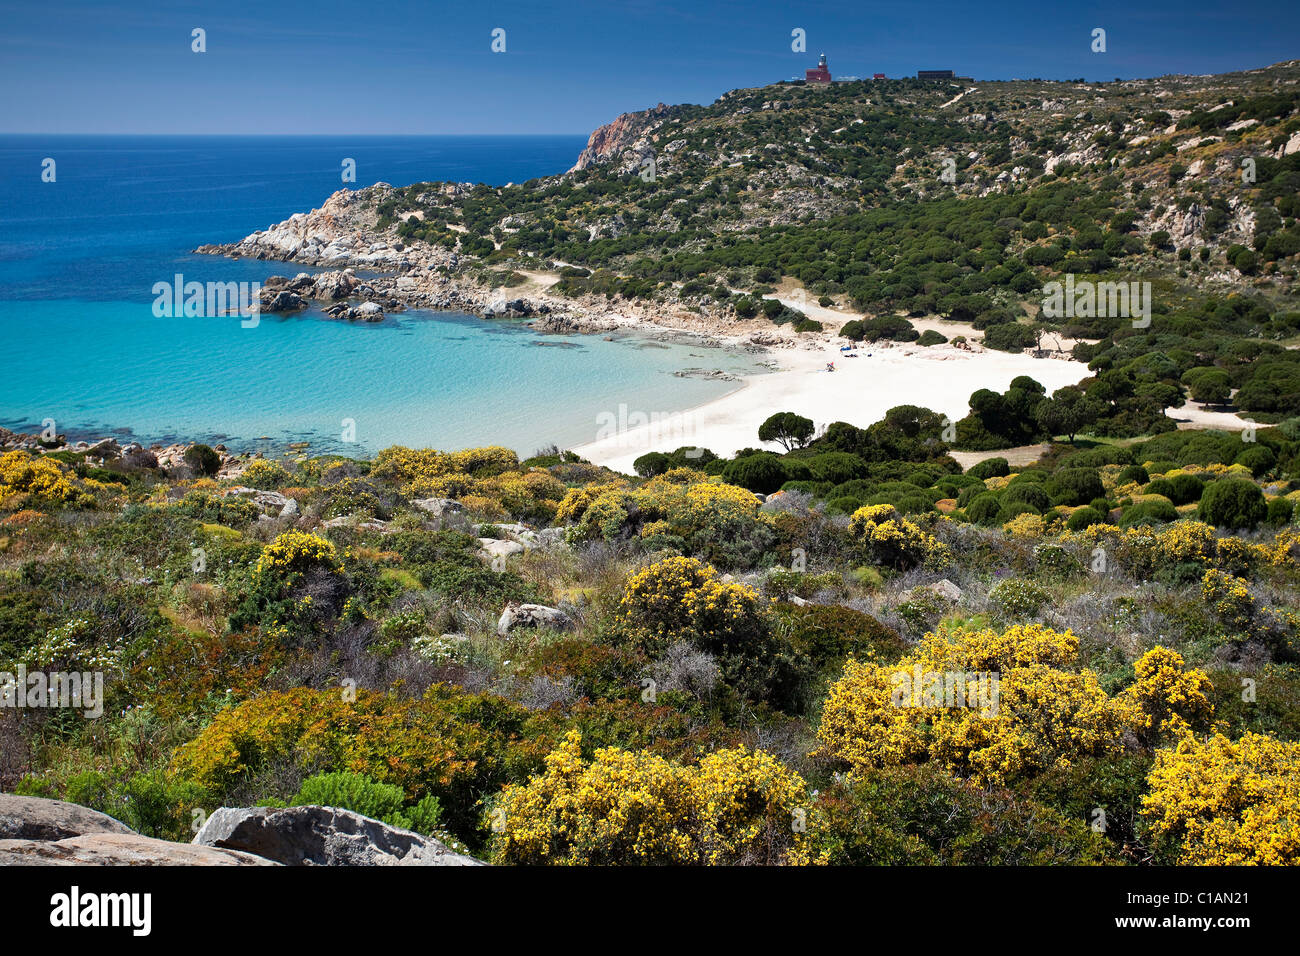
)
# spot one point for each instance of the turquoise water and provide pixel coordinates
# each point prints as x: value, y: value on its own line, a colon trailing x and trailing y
x: 79, y: 257
x: 423, y: 379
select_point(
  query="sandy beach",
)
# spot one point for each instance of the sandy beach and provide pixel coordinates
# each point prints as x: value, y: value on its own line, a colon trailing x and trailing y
x: 859, y: 391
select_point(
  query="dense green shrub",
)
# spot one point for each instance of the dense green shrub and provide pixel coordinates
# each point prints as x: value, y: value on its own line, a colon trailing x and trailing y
x: 1075, y: 486
x: 1260, y: 459
x: 921, y: 815
x: 989, y: 468
x: 202, y: 459
x: 1133, y: 473
x: 984, y: 509
x: 1232, y: 503
x: 1083, y: 518
x: 1280, y: 512
x: 1154, y: 511
x: 1180, y: 489
x: 1028, y: 493
x: 763, y: 472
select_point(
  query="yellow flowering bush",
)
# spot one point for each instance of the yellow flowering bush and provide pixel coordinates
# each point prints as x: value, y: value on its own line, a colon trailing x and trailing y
x: 1285, y: 548
x: 1230, y: 598
x: 26, y: 478
x: 680, y: 599
x: 427, y: 473
x: 634, y: 807
x: 1187, y: 541
x: 449, y: 743
x: 1026, y: 526
x: 895, y: 541
x: 1227, y: 803
x: 703, y: 504
x: 262, y: 473
x: 685, y: 508
x: 295, y: 551
x: 576, y: 501
x: 1239, y: 557
x: 990, y: 705
x: 1143, y: 551
x: 484, y: 462
x: 402, y: 465
x: 720, y: 522
x: 1170, y: 698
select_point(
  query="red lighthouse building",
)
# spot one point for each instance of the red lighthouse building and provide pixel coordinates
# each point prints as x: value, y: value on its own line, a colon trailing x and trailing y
x: 820, y: 75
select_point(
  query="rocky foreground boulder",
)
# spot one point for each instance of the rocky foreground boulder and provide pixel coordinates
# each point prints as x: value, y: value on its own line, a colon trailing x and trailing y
x: 119, y: 849
x: 531, y: 615
x: 323, y: 836
x: 39, y: 832
x: 33, y: 818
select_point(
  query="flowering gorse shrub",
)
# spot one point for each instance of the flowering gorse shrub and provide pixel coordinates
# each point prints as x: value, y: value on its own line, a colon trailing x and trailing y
x: 635, y: 807
x: 31, y: 479
x: 1040, y: 715
x: 296, y: 551
x: 488, y: 481
x: 451, y: 744
x: 682, y: 599
x: 1170, y: 698
x: 262, y: 473
x: 1027, y: 526
x: 1230, y: 598
x: 682, y: 509
x: 1144, y: 552
x: 895, y: 541
x: 1227, y: 802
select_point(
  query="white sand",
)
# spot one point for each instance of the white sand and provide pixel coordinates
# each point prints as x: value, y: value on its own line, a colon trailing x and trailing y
x: 1196, y: 415
x: 859, y: 391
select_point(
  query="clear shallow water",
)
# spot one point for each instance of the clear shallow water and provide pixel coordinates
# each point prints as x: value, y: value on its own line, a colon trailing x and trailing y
x: 79, y: 257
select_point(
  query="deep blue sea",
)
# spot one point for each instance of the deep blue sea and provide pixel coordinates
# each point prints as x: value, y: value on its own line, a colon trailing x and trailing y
x: 79, y: 257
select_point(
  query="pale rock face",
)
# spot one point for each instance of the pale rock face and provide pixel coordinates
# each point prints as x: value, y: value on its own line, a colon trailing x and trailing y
x: 322, y: 836
x: 34, y: 818
x: 438, y: 507
x: 39, y: 832
x: 119, y: 849
x: 490, y: 548
x: 531, y: 615
x: 945, y: 589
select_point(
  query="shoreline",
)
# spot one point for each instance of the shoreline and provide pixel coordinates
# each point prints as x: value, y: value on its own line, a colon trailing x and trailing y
x: 859, y: 391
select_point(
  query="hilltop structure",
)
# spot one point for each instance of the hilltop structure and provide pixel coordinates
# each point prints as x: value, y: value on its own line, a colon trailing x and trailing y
x: 820, y: 75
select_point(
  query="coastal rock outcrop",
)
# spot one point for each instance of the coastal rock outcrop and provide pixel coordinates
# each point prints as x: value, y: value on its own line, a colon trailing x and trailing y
x: 619, y: 135
x: 119, y: 849
x: 531, y: 615
x: 323, y: 836
x: 35, y: 818
x: 439, y: 507
x: 38, y: 832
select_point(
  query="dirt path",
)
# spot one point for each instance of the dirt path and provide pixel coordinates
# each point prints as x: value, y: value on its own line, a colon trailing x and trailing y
x: 1016, y: 457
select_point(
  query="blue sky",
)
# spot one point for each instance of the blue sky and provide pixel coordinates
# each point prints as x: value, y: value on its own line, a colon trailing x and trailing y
x: 425, y: 66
